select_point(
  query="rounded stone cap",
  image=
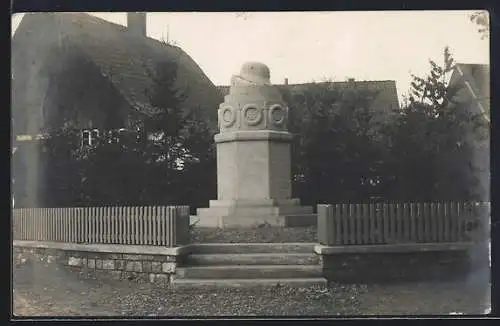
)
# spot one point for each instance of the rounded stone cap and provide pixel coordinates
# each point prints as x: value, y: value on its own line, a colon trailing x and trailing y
x: 256, y: 72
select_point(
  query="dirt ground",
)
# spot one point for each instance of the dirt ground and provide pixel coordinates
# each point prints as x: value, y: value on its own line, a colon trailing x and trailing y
x: 51, y: 290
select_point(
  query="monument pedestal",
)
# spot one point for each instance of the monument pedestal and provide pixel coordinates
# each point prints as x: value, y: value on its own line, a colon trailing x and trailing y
x: 253, y: 158
x: 255, y: 213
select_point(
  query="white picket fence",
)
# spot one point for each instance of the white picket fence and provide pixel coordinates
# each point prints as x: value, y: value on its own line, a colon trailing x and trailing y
x: 367, y: 224
x: 148, y: 225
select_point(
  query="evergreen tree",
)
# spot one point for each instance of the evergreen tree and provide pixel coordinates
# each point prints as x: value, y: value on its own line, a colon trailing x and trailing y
x: 434, y: 140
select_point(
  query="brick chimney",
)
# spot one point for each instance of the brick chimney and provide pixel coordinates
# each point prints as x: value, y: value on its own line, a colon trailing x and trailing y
x: 286, y: 81
x: 136, y: 23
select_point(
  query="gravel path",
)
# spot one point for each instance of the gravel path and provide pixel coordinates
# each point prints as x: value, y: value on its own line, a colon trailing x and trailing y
x: 51, y: 290
x: 265, y: 234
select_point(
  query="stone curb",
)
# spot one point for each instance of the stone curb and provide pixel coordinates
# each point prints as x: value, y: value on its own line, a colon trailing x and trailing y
x: 388, y: 248
x: 106, y: 248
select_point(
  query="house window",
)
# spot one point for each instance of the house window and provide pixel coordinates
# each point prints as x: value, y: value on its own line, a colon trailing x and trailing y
x: 89, y: 137
x: 115, y: 135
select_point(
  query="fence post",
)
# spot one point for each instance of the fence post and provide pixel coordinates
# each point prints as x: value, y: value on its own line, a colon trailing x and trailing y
x: 446, y: 217
x: 185, y: 228
x: 134, y: 225
x: 29, y: 227
x: 119, y: 230
x: 66, y: 215
x: 161, y: 225
x: 53, y: 227
x: 149, y: 219
x: 178, y: 226
x: 39, y: 218
x: 106, y: 219
x: 344, y: 215
x: 358, y: 219
x: 154, y: 223
x: 109, y: 224
x: 54, y: 224
x: 60, y: 224
x: 14, y: 224
x: 27, y: 231
x: 20, y: 223
x: 64, y: 223
x: 399, y: 223
x: 43, y: 216
x: 157, y: 226
x: 170, y: 238
x: 324, y: 228
x: 113, y: 226
x: 368, y: 225
x: 33, y: 227
x: 128, y: 225
x: 440, y: 221
x: 454, y: 221
x: 91, y: 224
x: 143, y: 232
x: 182, y: 224
x: 352, y: 225
x: 102, y: 230
x: 36, y: 223
x: 88, y: 224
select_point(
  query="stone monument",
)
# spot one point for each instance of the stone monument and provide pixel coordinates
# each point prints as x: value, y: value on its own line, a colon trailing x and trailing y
x: 253, y: 158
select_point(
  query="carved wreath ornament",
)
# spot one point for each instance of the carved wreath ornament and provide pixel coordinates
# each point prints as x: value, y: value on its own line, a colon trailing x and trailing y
x: 228, y: 116
x: 252, y: 114
x: 277, y: 114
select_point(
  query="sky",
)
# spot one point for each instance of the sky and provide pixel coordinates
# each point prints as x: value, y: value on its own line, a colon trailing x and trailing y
x: 314, y: 46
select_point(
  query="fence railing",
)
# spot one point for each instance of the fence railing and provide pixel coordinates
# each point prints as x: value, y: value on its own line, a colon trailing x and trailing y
x: 358, y: 224
x: 158, y: 225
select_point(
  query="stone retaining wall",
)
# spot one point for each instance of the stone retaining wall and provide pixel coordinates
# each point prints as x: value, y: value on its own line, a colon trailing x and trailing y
x: 147, y: 267
x: 391, y: 266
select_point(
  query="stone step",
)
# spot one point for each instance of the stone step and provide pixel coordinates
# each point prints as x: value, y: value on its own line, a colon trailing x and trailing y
x: 248, y: 271
x: 252, y: 259
x: 181, y: 284
x: 238, y: 248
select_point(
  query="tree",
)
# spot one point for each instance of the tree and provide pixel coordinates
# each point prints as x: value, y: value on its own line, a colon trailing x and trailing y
x: 62, y: 156
x: 336, y: 155
x: 482, y: 20
x: 432, y: 89
x: 157, y: 166
x: 433, y: 141
x: 166, y: 157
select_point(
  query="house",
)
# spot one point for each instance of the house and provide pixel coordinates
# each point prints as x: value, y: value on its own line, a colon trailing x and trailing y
x: 469, y: 85
x: 97, y: 72
x: 76, y: 68
x: 385, y: 94
x: 469, y: 88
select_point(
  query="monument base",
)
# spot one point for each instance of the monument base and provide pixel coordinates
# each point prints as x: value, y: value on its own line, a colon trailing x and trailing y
x: 255, y: 213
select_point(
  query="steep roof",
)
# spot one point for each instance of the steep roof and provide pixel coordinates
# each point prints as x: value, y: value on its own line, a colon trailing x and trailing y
x: 385, y: 100
x: 128, y: 60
